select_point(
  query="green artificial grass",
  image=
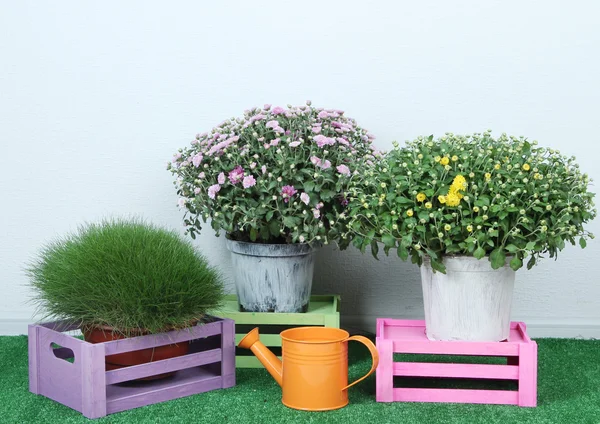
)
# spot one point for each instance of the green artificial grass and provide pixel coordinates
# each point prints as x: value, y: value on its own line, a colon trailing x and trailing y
x: 568, y: 392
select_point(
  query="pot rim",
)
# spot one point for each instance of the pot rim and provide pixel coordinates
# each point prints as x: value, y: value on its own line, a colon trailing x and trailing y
x: 269, y: 250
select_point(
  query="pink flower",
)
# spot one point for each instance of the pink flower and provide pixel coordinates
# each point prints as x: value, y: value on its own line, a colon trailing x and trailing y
x: 343, y: 141
x: 221, y: 178
x: 181, y: 202
x: 248, y: 181
x: 266, y: 146
x: 344, y: 170
x: 316, y: 130
x: 236, y: 175
x: 316, y: 213
x: 305, y: 198
x: 201, y: 175
x: 176, y: 157
x: 258, y: 117
x: 275, y: 141
x: 320, y: 205
x: 197, y: 190
x: 323, y: 114
x: 267, y: 106
x: 272, y: 124
x: 336, y: 124
x: 325, y: 165
x: 213, y: 190
x: 263, y: 169
x: 253, y: 165
x: 287, y: 192
x: 277, y: 110
x: 294, y: 144
x: 321, y: 140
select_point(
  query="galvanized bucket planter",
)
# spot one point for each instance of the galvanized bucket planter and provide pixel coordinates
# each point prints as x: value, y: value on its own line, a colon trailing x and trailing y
x: 471, y: 302
x: 272, y: 277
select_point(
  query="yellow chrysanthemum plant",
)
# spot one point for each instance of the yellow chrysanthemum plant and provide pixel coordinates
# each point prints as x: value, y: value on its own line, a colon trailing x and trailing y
x: 502, y: 198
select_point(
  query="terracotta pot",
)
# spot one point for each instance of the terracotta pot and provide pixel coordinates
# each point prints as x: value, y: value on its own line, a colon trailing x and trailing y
x: 136, y: 357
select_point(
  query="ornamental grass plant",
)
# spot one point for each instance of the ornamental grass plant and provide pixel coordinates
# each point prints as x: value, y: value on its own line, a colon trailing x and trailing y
x: 274, y: 175
x: 503, y: 198
x: 125, y: 274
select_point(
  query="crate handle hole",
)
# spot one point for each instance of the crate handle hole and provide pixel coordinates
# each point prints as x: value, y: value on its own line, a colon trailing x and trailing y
x: 63, y: 353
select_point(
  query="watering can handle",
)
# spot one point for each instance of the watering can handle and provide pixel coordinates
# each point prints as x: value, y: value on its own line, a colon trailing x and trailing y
x: 374, y: 354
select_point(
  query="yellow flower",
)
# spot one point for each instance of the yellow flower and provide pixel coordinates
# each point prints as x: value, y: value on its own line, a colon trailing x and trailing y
x: 454, y: 158
x: 488, y: 176
x: 409, y: 212
x: 475, y: 209
x: 421, y: 197
x: 428, y: 205
x: 447, y: 227
x: 452, y: 199
x: 459, y: 183
x: 470, y: 228
x: 437, y: 158
x: 444, y: 161
x: 526, y: 167
x: 442, y: 199
x: 497, y: 166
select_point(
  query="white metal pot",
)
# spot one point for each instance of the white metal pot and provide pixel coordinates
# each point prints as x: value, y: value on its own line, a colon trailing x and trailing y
x: 471, y: 302
x: 272, y: 277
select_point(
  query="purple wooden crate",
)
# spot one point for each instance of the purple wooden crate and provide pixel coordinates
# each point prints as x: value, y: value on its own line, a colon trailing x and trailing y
x: 84, y: 384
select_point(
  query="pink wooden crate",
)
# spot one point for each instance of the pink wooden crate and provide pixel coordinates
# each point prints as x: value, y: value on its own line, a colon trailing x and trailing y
x: 408, y: 336
x: 84, y: 384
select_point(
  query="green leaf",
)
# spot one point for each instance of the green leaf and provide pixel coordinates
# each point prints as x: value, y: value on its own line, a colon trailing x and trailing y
x: 327, y: 194
x: 289, y: 221
x: 530, y: 245
x: 401, y: 200
x: 406, y: 241
x: 516, y: 263
x: 264, y: 233
x: 438, y: 266
x: 531, y: 262
x: 388, y: 240
x: 479, y: 252
x: 582, y: 243
x: 253, y: 234
x: 374, y: 249
x: 512, y: 248
x: 274, y: 228
x: 309, y: 185
x: 269, y: 215
x: 498, y: 258
x: 402, y: 252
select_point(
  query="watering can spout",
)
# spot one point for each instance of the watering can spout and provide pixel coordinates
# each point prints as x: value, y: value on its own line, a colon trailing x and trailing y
x: 271, y: 362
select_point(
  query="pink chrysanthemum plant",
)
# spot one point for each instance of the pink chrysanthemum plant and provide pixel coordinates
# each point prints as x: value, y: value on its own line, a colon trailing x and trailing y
x: 474, y: 195
x: 274, y: 175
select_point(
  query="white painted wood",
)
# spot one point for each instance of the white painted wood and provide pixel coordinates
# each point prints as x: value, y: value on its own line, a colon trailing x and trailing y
x: 470, y: 302
x: 272, y: 277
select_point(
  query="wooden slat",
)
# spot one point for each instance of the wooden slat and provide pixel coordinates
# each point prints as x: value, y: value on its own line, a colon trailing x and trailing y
x: 496, y: 397
x: 163, y: 366
x: 457, y: 348
x: 427, y: 369
x: 266, y: 339
x: 248, y: 362
x: 173, y: 337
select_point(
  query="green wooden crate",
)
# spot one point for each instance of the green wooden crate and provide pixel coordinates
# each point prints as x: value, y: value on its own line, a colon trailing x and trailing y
x: 323, y: 310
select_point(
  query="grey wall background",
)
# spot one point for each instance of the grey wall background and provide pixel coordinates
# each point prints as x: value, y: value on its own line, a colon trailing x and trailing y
x: 96, y: 97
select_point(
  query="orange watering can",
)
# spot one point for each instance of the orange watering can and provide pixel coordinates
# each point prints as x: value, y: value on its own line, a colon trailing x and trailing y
x: 313, y: 372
